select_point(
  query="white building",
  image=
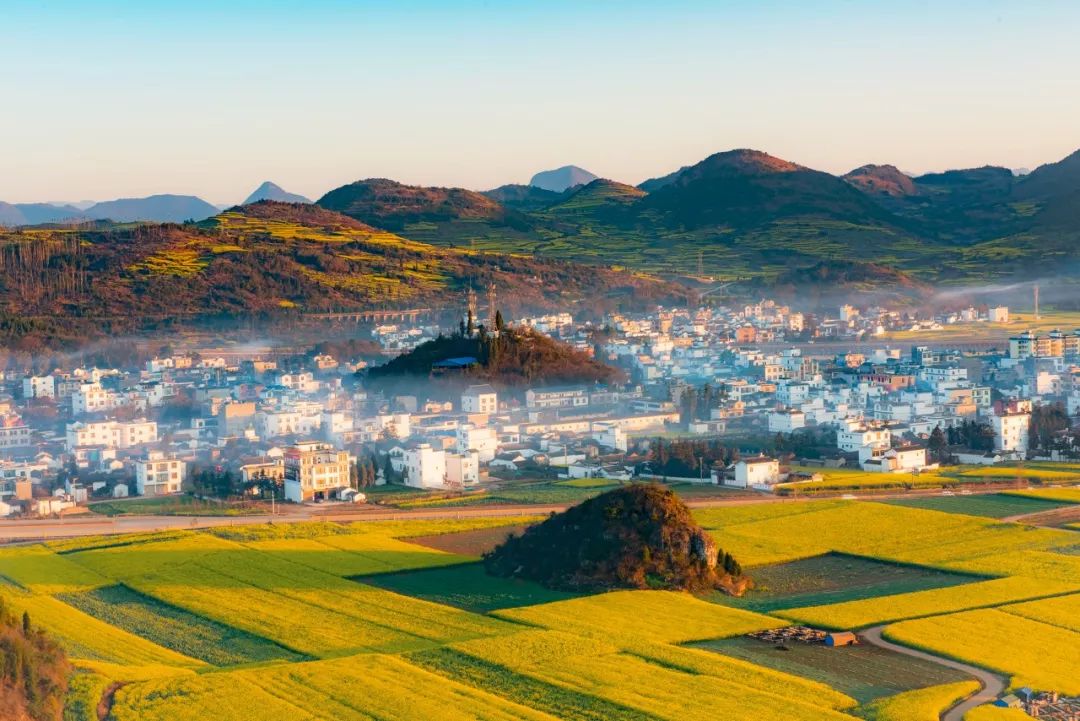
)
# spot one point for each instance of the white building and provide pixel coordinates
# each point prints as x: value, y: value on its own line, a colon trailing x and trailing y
x: 462, y: 469
x: 484, y: 441
x: 786, y: 421
x: 111, y: 434
x: 14, y: 434
x: 157, y: 475
x: 756, y: 473
x: 39, y: 387
x: 479, y: 399
x: 425, y: 467
x: 536, y: 398
x: 999, y: 314
x: 892, y: 460
x: 92, y: 398
x: 610, y: 436
x: 1011, y: 431
x: 851, y: 440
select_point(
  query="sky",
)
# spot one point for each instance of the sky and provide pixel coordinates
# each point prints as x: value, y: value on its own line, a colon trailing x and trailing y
x: 128, y: 98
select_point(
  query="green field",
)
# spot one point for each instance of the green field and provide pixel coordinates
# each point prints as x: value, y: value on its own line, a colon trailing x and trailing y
x: 173, y: 506
x: 863, y: 672
x: 995, y: 505
x: 835, y: 578
x: 466, y: 586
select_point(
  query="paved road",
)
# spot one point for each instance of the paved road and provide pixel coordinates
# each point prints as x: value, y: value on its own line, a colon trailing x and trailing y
x: 992, y: 684
x: 92, y: 525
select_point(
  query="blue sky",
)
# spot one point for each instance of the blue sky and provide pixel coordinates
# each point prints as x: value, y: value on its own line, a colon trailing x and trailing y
x: 108, y: 99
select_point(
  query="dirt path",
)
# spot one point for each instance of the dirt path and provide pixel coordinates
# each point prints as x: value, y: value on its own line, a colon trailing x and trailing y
x: 104, y: 707
x: 1055, y: 518
x: 992, y: 684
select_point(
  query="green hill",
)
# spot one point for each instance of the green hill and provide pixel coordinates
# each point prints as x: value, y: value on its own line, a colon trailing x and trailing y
x: 265, y: 259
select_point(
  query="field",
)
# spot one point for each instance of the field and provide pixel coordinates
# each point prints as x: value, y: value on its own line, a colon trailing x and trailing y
x: 863, y: 672
x: 172, y: 506
x: 994, y: 505
x: 853, y: 479
x: 397, y: 620
x: 835, y: 578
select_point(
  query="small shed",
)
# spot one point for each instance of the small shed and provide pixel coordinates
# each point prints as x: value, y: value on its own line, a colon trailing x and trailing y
x: 841, y: 638
x: 1010, y: 701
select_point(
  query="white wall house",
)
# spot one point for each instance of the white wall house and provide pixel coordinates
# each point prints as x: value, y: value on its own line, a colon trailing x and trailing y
x: 463, y: 468
x: 425, y: 467
x: 39, y: 387
x: 892, y: 460
x: 1011, y: 432
x: 111, y: 434
x: 479, y: 399
x: 92, y: 398
x: 157, y: 475
x: 315, y: 471
x: 786, y: 421
x: 756, y: 472
x: 484, y: 441
x: 851, y: 440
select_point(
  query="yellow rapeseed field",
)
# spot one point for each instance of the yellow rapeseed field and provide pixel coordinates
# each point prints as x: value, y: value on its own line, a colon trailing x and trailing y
x: 871, y: 611
x: 924, y: 704
x: 1033, y: 653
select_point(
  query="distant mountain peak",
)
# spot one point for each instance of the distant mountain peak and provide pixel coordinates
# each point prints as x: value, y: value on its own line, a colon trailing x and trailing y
x: 749, y: 161
x: 560, y: 179
x: 273, y: 191
x: 882, y: 180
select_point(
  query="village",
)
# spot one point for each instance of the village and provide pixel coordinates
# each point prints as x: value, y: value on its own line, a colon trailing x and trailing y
x: 307, y: 428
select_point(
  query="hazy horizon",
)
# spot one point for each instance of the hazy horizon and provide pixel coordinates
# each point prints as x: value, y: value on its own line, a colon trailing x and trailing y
x: 121, y: 99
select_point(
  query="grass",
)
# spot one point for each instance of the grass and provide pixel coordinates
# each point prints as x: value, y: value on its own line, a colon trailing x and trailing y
x: 1033, y: 653
x: 175, y: 628
x: 924, y: 704
x: 835, y: 578
x: 467, y: 587
x: 996, y: 505
x: 171, y: 506
x: 588, y: 483
x: 860, y: 614
x: 863, y: 672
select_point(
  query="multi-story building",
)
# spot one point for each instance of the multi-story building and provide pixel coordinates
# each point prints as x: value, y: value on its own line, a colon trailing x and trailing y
x: 111, y: 434
x: 425, y: 467
x: 13, y: 433
x: 851, y: 440
x: 92, y: 398
x: 158, y: 475
x: 315, y: 471
x: 539, y: 398
x: 479, y: 399
x: 1012, y: 428
x: 485, y: 441
x: 462, y: 469
x: 39, y: 387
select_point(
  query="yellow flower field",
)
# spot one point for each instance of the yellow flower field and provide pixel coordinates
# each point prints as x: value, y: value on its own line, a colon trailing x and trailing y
x: 868, y: 612
x: 662, y: 616
x: 1034, y: 654
x: 925, y: 704
x: 1063, y: 611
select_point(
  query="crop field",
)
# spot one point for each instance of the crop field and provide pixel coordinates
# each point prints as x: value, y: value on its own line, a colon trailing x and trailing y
x: 1063, y: 495
x: 925, y: 704
x: 396, y: 620
x: 993, y: 505
x: 172, y: 506
x: 835, y: 578
x: 466, y: 586
x: 871, y: 611
x: 1033, y: 653
x: 863, y: 672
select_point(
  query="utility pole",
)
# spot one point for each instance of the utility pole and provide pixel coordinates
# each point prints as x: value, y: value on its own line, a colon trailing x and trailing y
x: 1036, y: 301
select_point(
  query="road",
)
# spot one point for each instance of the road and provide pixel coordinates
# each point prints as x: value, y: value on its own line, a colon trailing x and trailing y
x: 992, y: 684
x: 17, y: 531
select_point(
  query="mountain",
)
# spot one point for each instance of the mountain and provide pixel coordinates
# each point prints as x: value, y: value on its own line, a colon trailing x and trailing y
x: 562, y: 179
x: 10, y: 215
x: 1053, y: 180
x: 270, y: 191
x: 268, y: 258
x: 156, y: 208
x: 653, y: 184
x: 523, y: 197
x: 882, y: 180
x: 600, y: 194
x: 14, y: 214
x: 392, y: 205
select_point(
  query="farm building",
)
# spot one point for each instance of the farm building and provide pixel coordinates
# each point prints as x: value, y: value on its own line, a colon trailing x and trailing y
x: 841, y: 638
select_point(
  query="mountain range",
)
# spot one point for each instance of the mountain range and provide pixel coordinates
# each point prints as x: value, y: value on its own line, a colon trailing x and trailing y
x: 737, y: 215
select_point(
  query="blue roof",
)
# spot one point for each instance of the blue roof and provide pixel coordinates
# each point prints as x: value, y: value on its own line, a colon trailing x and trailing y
x: 462, y: 362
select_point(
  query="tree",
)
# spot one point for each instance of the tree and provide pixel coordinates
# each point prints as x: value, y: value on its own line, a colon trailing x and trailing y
x: 500, y: 325
x: 470, y: 326
x: 937, y: 444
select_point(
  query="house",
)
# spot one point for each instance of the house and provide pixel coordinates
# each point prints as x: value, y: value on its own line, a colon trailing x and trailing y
x: 786, y: 421
x: 755, y: 472
x: 111, y: 434
x: 1012, y: 427
x: 315, y: 471
x: 425, y: 467
x: 893, y: 460
x: 479, y: 399
x: 571, y: 397
x: 485, y: 441
x: 158, y: 475
x: 462, y: 469
x: 39, y: 387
